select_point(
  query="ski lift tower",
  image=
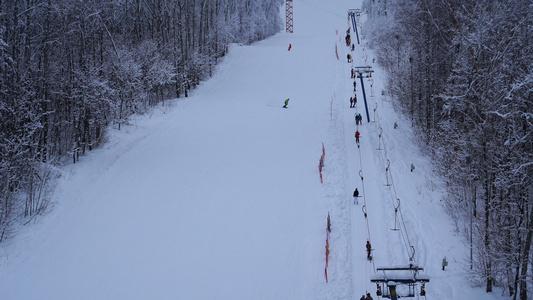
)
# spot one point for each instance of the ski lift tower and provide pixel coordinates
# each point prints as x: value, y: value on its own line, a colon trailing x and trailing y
x: 288, y: 12
x: 402, y: 278
x: 364, y: 72
x: 354, y: 15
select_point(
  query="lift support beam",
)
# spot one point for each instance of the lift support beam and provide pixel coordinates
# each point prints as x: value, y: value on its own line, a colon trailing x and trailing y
x: 403, y: 275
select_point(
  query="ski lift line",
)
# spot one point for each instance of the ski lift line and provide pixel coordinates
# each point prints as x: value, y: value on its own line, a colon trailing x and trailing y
x: 402, y: 232
x: 393, y: 193
x: 365, y: 208
x: 350, y: 242
x: 364, y: 195
x: 402, y: 220
x: 373, y: 266
x: 404, y: 239
x: 404, y: 235
x: 394, y: 196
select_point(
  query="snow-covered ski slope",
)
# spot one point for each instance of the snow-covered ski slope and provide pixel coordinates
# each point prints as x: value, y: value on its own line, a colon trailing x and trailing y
x: 218, y: 196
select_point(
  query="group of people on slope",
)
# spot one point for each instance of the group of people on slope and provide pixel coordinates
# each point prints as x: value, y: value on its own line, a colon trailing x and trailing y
x: 367, y: 297
x: 353, y: 101
x: 348, y: 39
x: 358, y: 120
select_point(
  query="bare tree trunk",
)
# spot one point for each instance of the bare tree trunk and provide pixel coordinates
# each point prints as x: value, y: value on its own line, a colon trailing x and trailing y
x: 525, y: 258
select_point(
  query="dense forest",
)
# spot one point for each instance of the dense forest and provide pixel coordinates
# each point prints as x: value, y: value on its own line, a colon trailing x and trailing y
x: 69, y: 69
x: 462, y: 71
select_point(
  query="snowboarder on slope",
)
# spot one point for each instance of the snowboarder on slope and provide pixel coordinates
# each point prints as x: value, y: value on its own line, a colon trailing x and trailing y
x: 286, y: 103
x: 355, y: 196
x: 290, y: 46
x: 357, y: 134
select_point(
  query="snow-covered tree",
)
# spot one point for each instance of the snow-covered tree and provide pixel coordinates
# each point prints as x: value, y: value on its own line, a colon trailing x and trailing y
x: 461, y: 70
x: 69, y: 68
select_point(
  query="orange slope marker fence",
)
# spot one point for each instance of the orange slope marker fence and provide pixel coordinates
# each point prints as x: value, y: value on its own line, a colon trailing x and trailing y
x: 328, y: 230
x: 321, y: 162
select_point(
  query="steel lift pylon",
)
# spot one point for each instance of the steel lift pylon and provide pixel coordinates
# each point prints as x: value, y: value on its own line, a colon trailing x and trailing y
x: 288, y: 13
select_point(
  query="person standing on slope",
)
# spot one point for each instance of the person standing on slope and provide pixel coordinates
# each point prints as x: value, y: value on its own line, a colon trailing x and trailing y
x: 355, y: 197
x: 359, y: 119
x: 286, y: 103
x: 357, y: 134
x: 368, y: 297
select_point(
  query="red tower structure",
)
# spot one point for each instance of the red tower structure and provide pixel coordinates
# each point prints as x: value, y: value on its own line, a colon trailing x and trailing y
x: 288, y: 10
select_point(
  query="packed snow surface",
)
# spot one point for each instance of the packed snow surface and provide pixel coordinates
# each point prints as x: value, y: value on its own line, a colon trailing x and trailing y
x: 218, y: 196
